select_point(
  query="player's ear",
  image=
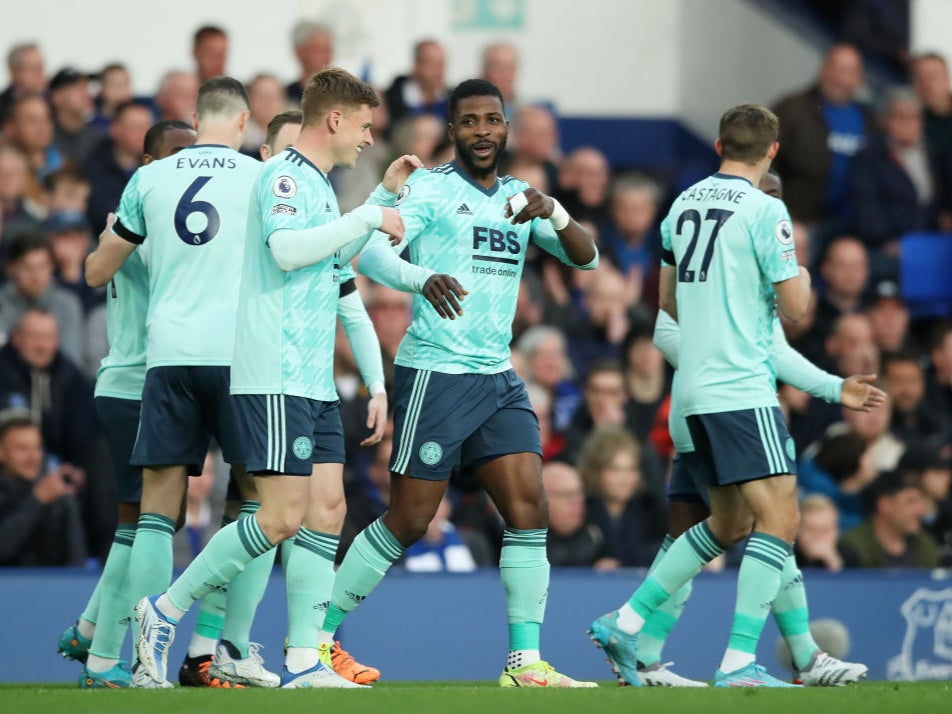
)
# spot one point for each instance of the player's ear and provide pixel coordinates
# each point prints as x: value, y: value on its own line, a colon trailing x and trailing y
x: 333, y: 120
x: 265, y: 151
x: 772, y: 151
x: 195, y: 121
x: 451, y: 131
x: 717, y: 146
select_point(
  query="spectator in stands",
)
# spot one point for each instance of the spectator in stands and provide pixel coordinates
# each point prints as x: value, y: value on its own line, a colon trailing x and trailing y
x: 20, y: 213
x: 70, y: 240
x: 548, y: 366
x: 935, y: 472
x: 879, y: 29
x: 389, y: 310
x: 115, y: 89
x: 889, y: 317
x: 632, y: 240
x: 501, y: 67
x: 34, y: 374
x: 532, y: 172
x: 840, y: 467
x: 850, y: 348
x: 210, y: 51
x: 31, y: 285
x: 441, y: 549
x: 571, y: 542
x: 894, y: 183
x: 535, y: 137
x: 177, y: 96
x: 27, y: 77
x: 632, y: 518
x: 930, y: 78
x: 552, y: 442
x: 72, y: 106
x: 30, y: 126
x: 314, y: 48
x: 845, y: 273
x: 115, y: 160
x: 821, y: 129
x: 913, y: 419
x: 645, y: 377
x: 420, y: 135
x: 892, y: 537
x: 267, y: 100
x: 817, y: 537
x: 40, y: 523
x: 66, y: 190
x: 939, y: 387
x: 584, y: 178
x: 423, y: 91
x: 874, y: 428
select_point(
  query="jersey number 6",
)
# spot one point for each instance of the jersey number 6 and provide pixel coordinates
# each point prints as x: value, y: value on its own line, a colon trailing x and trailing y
x: 188, y: 207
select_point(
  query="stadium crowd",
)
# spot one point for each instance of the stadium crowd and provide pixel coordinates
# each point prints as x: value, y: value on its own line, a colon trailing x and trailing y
x: 875, y: 485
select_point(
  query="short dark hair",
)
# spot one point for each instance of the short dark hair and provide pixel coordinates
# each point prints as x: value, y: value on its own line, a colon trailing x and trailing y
x: 126, y: 106
x: 206, y: 31
x: 222, y: 95
x: 938, y: 334
x: 903, y: 354
x: 26, y: 243
x: 929, y: 56
x: 604, y: 366
x: 68, y: 173
x: 16, y: 421
x: 839, y: 455
x: 473, y: 88
x: 333, y: 86
x: 157, y: 132
x: 291, y: 116
x: 747, y: 131
x: 889, y: 483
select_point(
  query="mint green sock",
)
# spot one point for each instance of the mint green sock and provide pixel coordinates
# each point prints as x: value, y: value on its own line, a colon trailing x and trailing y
x: 211, y: 608
x: 660, y: 623
x: 150, y: 563
x: 246, y: 591
x: 373, y: 551
x: 310, y: 579
x: 757, y: 583
x: 115, y: 606
x: 792, y: 614
x: 524, y: 569
x: 226, y: 555
x: 684, y: 559
x: 91, y: 611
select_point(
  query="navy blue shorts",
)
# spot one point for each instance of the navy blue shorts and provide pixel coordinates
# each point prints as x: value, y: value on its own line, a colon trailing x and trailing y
x: 442, y: 421
x: 288, y: 435
x: 120, y: 423
x: 690, y: 478
x: 182, y: 408
x: 744, y: 445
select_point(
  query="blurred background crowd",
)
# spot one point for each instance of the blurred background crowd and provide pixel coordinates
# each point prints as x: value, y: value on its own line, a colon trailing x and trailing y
x: 861, y: 173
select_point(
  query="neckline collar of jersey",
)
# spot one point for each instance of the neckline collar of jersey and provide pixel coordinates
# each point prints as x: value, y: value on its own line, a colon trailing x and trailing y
x: 473, y: 182
x: 307, y: 161
x: 206, y: 146
x: 733, y: 178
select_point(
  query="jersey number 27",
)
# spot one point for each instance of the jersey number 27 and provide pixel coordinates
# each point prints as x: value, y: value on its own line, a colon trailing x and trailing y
x: 718, y: 216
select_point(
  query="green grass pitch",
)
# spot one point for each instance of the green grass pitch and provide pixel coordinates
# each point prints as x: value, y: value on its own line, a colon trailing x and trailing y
x: 481, y: 697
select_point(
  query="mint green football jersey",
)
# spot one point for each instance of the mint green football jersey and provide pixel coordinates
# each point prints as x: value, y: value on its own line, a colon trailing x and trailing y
x: 730, y: 243
x: 288, y: 319
x: 457, y: 226
x: 190, y: 212
x: 122, y: 372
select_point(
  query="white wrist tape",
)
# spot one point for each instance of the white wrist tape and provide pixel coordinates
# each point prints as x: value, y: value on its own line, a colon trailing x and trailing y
x: 376, y: 388
x: 560, y: 217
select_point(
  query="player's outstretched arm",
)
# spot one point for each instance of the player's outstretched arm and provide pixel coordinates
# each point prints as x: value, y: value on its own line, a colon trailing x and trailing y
x: 105, y: 261
x: 576, y: 243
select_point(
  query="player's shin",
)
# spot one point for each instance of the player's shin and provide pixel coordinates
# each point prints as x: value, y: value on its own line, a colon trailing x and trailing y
x: 115, y: 606
x: 524, y: 569
x: 792, y: 614
x: 374, y: 550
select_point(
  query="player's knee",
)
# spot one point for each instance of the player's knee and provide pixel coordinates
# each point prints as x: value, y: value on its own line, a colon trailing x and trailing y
x: 279, y: 526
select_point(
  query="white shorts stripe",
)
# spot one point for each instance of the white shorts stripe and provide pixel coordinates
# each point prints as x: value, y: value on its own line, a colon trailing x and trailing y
x: 414, y: 408
x: 282, y: 435
x: 270, y: 431
x: 761, y: 428
x: 778, y: 447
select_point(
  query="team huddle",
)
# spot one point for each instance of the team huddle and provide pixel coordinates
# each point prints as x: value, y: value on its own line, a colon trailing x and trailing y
x: 226, y: 278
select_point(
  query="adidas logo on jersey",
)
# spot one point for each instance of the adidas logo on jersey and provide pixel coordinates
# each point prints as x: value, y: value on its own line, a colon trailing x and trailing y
x: 327, y: 207
x: 463, y: 210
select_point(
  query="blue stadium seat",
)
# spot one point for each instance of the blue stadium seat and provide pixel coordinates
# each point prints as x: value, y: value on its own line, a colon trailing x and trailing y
x: 925, y: 273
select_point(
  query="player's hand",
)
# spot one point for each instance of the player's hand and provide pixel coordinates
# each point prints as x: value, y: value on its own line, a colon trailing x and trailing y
x: 376, y: 418
x: 859, y: 394
x: 110, y: 221
x: 392, y: 224
x: 444, y: 293
x: 399, y: 171
x: 538, y: 206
